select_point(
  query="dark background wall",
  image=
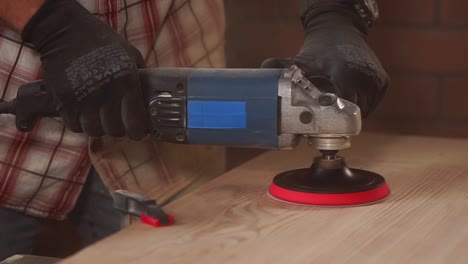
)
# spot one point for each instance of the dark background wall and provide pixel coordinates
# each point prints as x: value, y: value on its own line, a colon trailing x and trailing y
x: 423, y: 44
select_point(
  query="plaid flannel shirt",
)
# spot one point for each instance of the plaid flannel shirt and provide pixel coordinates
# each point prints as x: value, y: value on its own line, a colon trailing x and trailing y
x: 42, y: 172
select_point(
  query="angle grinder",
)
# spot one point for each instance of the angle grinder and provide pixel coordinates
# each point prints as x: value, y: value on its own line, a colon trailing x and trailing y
x: 255, y: 108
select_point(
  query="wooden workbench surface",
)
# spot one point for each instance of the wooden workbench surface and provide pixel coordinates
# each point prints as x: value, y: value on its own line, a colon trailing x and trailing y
x: 233, y: 220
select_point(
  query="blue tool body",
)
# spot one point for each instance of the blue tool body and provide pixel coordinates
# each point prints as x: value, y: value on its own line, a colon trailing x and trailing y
x: 233, y: 107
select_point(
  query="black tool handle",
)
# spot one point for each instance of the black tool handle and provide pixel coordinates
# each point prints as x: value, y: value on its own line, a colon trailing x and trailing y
x: 32, y: 102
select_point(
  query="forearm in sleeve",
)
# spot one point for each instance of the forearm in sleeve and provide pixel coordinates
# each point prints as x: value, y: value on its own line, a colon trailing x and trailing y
x: 15, y: 14
x: 305, y: 4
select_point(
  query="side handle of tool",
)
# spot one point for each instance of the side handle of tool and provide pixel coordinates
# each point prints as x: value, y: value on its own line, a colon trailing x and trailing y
x: 32, y: 101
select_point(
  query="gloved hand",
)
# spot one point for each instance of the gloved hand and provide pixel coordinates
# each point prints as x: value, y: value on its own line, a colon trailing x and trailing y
x: 91, y: 71
x: 336, y: 48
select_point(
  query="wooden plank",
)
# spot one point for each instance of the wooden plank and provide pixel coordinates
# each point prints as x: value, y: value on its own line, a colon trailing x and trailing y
x: 233, y: 220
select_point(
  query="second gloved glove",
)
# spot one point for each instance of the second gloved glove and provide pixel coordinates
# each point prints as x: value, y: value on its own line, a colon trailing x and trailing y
x: 336, y: 49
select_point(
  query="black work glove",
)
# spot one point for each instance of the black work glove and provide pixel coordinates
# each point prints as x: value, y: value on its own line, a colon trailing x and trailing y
x: 91, y: 71
x: 336, y: 49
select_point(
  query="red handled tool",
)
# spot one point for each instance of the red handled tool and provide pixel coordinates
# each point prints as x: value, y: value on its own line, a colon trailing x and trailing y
x: 145, y: 208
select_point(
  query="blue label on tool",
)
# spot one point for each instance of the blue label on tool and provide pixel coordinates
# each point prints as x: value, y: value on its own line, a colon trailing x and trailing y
x: 217, y: 114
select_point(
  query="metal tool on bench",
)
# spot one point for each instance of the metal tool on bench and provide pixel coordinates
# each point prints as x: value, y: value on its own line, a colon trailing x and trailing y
x: 145, y: 208
x: 256, y: 108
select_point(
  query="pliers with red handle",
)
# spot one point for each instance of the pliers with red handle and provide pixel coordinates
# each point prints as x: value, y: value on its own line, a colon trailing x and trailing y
x: 145, y: 208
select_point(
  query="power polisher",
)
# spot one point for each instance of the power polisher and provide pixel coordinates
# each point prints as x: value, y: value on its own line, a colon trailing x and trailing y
x: 255, y: 108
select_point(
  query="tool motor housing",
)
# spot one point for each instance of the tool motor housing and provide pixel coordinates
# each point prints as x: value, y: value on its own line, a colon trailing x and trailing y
x: 214, y: 107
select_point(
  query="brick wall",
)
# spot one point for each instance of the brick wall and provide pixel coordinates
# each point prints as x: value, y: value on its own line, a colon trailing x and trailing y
x: 423, y: 44
x: 259, y: 29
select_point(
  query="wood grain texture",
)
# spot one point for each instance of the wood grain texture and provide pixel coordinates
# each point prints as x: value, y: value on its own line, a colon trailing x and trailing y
x: 233, y: 220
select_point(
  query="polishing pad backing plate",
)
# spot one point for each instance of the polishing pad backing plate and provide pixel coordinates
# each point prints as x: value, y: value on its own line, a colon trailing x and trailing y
x: 347, y: 187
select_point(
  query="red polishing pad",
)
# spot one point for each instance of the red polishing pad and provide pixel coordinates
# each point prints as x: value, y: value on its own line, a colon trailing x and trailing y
x: 330, y: 199
x: 329, y: 182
